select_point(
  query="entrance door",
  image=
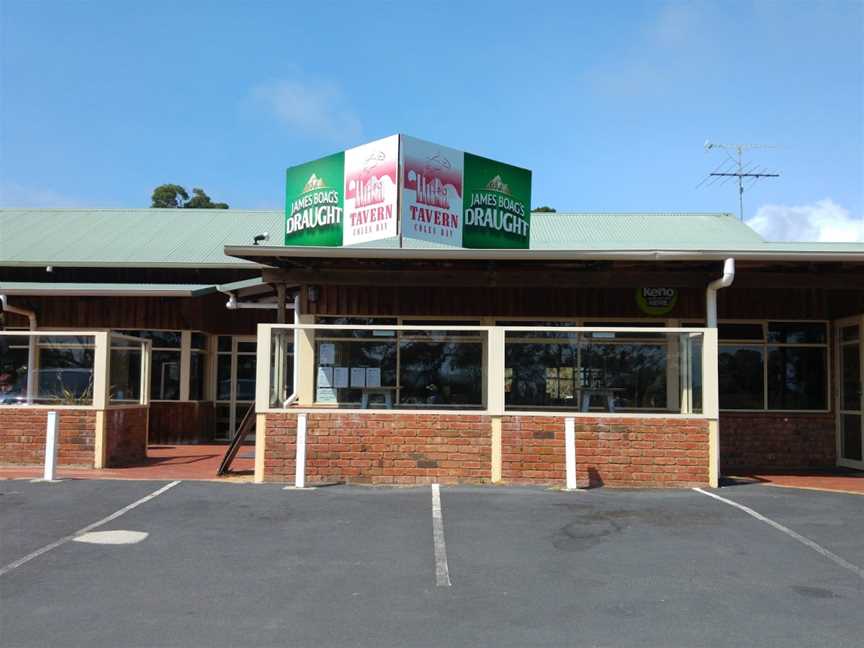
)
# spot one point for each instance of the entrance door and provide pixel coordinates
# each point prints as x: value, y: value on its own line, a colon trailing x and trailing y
x: 850, y: 398
x: 235, y: 382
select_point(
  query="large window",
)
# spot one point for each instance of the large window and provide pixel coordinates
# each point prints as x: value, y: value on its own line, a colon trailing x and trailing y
x: 167, y: 359
x: 773, y: 365
x: 418, y: 368
x: 579, y: 370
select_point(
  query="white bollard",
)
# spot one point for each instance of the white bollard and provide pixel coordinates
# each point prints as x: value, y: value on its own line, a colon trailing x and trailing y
x: 570, y: 451
x: 300, y: 457
x: 51, y: 448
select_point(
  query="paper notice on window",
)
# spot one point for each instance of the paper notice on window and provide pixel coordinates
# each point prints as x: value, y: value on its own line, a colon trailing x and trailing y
x: 358, y: 376
x: 325, y: 376
x: 325, y: 395
x: 373, y: 377
x: 327, y: 354
x: 340, y: 377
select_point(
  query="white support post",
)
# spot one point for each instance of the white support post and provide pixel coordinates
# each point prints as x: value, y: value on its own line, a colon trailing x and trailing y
x: 185, y: 363
x: 300, y: 460
x: 51, y: 448
x: 570, y: 451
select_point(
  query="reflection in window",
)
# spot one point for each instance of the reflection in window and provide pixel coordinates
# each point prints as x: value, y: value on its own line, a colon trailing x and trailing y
x: 797, y: 378
x: 441, y: 373
x: 741, y: 377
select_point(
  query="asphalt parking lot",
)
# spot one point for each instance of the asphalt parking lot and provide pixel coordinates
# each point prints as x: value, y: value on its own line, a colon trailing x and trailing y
x: 237, y: 564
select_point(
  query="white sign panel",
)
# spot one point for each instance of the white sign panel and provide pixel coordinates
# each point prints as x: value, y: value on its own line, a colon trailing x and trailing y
x: 371, y: 190
x: 340, y: 377
x: 326, y: 353
x: 358, y: 376
x: 373, y: 377
x: 432, y: 187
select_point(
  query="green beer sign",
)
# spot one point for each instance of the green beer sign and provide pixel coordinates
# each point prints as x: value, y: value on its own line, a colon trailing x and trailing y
x: 496, y: 204
x: 314, y: 202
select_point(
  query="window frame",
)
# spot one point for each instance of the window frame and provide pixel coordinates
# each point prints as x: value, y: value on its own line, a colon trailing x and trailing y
x: 767, y: 346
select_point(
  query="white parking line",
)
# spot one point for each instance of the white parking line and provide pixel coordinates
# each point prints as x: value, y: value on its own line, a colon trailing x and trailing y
x: 442, y: 573
x: 21, y: 561
x: 807, y: 542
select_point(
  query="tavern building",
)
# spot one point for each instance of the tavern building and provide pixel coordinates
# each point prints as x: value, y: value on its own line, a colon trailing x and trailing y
x: 632, y: 349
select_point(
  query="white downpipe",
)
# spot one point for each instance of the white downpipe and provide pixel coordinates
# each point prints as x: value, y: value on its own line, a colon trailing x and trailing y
x: 31, y: 343
x: 711, y: 293
x: 51, y: 448
x: 300, y: 460
x: 570, y: 451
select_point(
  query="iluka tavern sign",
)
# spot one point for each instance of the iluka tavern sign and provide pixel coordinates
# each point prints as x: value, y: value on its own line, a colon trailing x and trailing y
x: 402, y: 186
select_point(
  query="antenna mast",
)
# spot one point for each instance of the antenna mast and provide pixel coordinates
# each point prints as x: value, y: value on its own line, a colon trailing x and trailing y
x: 737, y: 169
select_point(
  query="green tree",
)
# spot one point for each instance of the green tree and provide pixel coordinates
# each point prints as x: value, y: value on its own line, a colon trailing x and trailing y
x: 169, y: 196
x: 202, y: 201
x: 172, y: 196
x: 544, y: 208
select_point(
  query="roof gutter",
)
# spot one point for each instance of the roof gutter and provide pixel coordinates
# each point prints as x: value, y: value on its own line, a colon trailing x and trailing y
x: 271, y: 254
x: 711, y: 292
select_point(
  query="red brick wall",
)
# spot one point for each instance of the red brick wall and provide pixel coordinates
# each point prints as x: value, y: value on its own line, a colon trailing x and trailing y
x: 125, y: 436
x: 22, y: 436
x: 382, y: 448
x: 645, y: 453
x: 761, y: 441
x: 418, y: 449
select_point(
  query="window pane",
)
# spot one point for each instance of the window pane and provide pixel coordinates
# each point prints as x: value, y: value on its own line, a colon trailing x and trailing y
x: 65, y: 374
x: 851, y: 371
x: 797, y: 378
x: 165, y: 375
x: 13, y: 372
x: 424, y: 333
x: 199, y: 341
x: 358, y: 321
x: 534, y: 373
x: 740, y: 332
x: 197, y: 372
x: 224, y: 344
x: 741, y: 377
x: 341, y: 369
x: 849, y: 333
x: 163, y: 339
x: 441, y: 373
x: 797, y: 333
x: 850, y: 446
x: 246, y: 378
x: 125, y: 378
x: 635, y: 374
x: 223, y: 377
x: 247, y: 347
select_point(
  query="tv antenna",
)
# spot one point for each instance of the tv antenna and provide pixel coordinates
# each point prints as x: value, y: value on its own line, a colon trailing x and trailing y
x: 733, y: 167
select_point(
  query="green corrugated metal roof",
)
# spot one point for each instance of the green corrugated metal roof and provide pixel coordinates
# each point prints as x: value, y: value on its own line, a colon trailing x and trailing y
x: 101, y: 289
x: 196, y: 237
x: 130, y: 237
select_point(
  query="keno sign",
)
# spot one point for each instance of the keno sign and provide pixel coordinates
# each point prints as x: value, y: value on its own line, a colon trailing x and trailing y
x: 406, y: 187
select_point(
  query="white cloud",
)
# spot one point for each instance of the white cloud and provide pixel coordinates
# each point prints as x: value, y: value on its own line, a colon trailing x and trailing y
x: 313, y: 109
x: 823, y: 220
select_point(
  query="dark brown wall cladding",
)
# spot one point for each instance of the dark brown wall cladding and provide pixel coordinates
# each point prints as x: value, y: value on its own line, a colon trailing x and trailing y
x: 199, y: 313
x: 488, y: 301
x: 182, y: 422
x: 762, y: 441
x: 743, y: 302
x: 125, y: 436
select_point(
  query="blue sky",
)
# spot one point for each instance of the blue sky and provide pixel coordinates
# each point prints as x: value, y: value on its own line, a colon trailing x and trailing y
x: 608, y: 103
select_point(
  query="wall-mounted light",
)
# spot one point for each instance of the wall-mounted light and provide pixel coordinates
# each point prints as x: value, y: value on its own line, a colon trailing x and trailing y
x: 312, y: 294
x: 264, y: 236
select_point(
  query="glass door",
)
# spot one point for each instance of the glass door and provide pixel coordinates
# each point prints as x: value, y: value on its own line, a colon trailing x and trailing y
x: 235, y: 382
x: 850, y: 399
